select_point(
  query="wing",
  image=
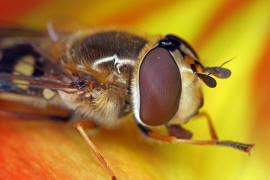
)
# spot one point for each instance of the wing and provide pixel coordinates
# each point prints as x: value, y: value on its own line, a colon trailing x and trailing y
x: 29, y: 78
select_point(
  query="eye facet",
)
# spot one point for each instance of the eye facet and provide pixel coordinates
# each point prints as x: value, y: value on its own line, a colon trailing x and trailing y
x: 160, y: 87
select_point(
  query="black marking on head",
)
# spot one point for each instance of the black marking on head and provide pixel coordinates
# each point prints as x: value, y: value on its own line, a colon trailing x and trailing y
x: 169, y: 43
x: 178, y: 41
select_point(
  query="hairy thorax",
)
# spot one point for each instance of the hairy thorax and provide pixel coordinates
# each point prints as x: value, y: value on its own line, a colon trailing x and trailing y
x: 110, y: 66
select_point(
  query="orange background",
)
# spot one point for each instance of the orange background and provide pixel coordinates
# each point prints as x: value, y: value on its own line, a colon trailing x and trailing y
x: 239, y: 106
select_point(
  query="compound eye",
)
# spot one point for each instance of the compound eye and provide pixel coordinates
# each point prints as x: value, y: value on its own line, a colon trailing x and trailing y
x: 160, y: 87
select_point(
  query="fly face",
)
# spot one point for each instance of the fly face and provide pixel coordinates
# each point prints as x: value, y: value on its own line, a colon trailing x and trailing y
x: 167, y: 83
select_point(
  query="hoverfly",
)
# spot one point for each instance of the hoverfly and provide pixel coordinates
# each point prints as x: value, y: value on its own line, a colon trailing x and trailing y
x: 96, y: 76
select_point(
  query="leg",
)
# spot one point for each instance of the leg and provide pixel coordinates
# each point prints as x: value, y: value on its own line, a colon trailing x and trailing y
x: 178, y: 131
x: 172, y: 139
x: 81, y: 126
x: 210, y: 125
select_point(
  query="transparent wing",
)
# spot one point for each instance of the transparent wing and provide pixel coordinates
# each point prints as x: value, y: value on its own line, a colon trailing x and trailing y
x: 29, y: 78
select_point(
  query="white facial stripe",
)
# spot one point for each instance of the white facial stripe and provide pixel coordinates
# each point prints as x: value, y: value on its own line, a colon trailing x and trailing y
x: 136, y: 93
x: 136, y: 99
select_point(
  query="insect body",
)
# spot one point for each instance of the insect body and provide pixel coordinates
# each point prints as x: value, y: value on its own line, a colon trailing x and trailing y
x: 99, y: 76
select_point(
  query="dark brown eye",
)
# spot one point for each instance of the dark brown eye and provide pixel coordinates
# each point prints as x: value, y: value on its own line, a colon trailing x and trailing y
x: 160, y: 87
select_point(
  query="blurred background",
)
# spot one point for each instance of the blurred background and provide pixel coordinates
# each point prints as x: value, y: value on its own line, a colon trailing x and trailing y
x: 239, y: 106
